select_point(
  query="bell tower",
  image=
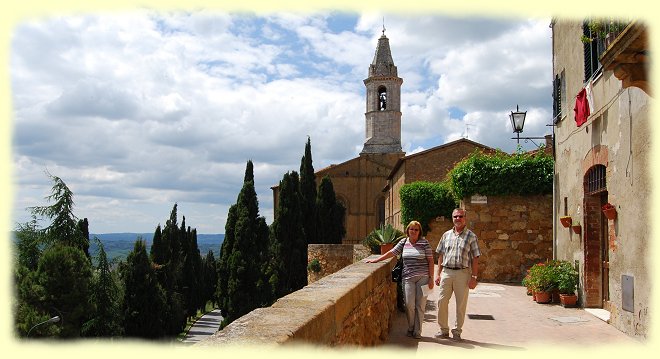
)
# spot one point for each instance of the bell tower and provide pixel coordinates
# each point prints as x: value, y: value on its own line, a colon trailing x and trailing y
x: 383, y: 116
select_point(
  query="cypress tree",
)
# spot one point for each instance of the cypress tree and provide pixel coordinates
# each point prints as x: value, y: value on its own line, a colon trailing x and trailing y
x: 287, y: 272
x: 308, y: 194
x: 210, y: 277
x: 226, y: 249
x: 144, y: 298
x: 246, y: 285
x: 106, y: 294
x: 330, y: 214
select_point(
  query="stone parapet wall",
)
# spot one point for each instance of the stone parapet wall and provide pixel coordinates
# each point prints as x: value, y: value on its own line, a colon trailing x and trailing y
x: 354, y: 306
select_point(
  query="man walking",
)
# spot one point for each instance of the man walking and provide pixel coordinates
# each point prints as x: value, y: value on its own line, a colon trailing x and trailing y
x: 458, y: 265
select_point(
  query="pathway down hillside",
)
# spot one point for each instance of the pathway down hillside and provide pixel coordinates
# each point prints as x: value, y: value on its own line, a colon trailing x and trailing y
x: 207, y: 325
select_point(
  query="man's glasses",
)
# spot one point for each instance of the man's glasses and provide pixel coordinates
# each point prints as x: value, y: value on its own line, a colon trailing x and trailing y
x: 459, y: 216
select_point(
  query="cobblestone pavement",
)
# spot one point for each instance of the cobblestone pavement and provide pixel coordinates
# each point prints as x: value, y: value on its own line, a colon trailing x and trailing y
x: 504, y: 317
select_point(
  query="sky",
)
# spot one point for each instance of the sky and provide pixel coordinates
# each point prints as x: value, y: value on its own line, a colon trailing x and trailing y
x: 140, y: 109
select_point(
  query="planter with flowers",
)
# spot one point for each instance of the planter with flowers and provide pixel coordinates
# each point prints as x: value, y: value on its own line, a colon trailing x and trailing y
x: 566, y: 221
x: 541, y: 280
x: 567, y: 281
x: 609, y: 211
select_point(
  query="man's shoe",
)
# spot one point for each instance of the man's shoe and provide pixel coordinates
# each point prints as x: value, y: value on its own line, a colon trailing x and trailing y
x: 409, y: 333
x: 456, y: 336
x: 417, y: 336
x: 441, y: 335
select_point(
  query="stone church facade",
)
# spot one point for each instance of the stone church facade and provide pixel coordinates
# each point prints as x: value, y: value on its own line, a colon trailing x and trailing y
x: 363, y: 184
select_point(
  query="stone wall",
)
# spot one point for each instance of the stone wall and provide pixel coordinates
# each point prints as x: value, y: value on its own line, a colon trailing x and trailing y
x: 514, y: 233
x: 333, y: 257
x: 354, y: 306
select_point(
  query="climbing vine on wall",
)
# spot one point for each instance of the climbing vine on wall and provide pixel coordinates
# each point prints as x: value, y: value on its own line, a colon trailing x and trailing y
x: 496, y: 174
x: 502, y: 174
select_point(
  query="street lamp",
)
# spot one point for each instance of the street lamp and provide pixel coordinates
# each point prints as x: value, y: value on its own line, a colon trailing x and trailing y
x: 518, y: 122
x: 54, y: 319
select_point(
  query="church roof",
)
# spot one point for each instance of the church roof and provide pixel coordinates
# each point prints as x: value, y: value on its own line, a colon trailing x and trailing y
x: 436, y: 148
x: 383, y: 65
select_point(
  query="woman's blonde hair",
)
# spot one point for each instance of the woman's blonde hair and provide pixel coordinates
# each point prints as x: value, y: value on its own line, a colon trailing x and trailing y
x: 414, y: 223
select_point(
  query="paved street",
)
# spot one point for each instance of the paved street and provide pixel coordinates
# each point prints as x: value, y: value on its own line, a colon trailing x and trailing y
x: 499, y: 317
x: 503, y: 317
x: 203, y: 327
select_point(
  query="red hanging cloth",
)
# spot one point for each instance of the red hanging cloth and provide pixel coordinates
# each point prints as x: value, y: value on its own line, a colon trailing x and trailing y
x: 581, y: 108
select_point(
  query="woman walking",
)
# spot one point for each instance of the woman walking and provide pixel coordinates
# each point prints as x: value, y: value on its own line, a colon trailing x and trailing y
x: 417, y: 273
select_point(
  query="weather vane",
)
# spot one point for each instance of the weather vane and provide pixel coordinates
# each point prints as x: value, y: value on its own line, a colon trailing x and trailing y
x: 383, y: 25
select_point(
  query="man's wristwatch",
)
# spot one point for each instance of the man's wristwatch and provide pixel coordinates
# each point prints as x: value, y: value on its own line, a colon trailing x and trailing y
x: 474, y: 276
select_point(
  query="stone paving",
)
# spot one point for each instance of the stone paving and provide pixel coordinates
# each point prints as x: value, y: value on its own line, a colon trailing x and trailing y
x: 504, y: 317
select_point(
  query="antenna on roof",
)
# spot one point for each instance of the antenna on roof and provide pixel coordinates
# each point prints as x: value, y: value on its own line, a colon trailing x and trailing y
x: 467, y: 127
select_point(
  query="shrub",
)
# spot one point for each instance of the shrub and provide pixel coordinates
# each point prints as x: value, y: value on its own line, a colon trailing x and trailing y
x: 314, y: 266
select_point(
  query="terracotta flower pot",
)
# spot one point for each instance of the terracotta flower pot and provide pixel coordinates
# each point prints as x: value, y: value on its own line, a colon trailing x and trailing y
x: 568, y: 300
x: 565, y: 221
x: 577, y: 229
x: 610, y: 213
x: 543, y: 297
x: 384, y: 248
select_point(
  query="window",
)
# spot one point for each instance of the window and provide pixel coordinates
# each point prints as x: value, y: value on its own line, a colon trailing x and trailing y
x: 596, y: 180
x: 556, y: 99
x: 592, y: 51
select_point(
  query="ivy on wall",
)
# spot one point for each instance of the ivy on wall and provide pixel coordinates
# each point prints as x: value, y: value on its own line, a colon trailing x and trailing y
x: 423, y: 201
x: 501, y: 174
x: 495, y: 174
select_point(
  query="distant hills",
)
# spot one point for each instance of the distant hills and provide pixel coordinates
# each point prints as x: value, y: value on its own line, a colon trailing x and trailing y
x: 118, y: 245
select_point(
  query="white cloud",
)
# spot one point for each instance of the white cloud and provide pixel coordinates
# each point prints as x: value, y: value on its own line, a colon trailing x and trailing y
x: 136, y: 111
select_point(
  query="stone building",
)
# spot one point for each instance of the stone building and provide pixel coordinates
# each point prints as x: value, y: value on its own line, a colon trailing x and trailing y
x: 602, y: 119
x: 361, y: 184
x: 430, y: 165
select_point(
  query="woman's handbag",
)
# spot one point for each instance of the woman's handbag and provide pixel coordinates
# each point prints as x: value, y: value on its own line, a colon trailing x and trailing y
x: 397, y: 271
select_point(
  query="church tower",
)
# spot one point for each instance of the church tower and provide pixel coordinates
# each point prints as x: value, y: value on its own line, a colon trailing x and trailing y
x: 383, y: 116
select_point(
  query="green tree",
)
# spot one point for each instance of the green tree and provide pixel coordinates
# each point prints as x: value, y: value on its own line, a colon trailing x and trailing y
x: 287, y: 270
x: 107, y: 320
x: 144, y: 298
x: 210, y: 277
x: 226, y: 249
x: 247, y: 287
x: 64, y: 277
x: 308, y: 194
x: 29, y: 239
x: 64, y: 224
x: 330, y: 215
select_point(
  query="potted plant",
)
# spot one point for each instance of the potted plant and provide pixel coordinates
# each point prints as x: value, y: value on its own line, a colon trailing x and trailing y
x: 382, y: 239
x: 609, y: 210
x: 541, y: 281
x: 567, y: 283
x: 565, y: 221
x: 577, y: 228
x: 603, y: 29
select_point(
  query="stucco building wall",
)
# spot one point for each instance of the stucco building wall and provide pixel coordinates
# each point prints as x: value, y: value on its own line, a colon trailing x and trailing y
x: 612, y: 255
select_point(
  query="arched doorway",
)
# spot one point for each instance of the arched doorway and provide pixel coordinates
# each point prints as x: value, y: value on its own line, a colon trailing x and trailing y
x: 595, y: 238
